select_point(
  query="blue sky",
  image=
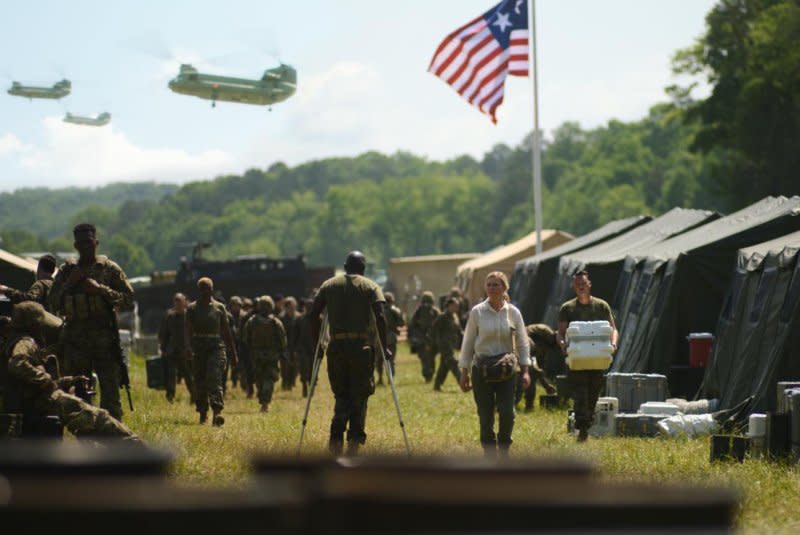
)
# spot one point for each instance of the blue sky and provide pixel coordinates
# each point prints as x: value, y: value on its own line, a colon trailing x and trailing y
x: 362, y: 81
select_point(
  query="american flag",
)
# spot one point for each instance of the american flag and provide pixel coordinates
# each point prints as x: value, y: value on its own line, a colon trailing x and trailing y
x: 476, y: 58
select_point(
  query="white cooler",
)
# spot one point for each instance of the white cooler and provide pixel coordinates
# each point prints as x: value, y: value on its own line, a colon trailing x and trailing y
x: 659, y: 407
x: 605, y: 414
x: 589, y: 345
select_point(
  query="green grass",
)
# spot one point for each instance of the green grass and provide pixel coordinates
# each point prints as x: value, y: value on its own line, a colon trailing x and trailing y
x: 443, y: 423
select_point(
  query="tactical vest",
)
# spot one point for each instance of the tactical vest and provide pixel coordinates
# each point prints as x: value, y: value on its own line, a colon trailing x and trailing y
x: 263, y: 334
x: 78, y: 305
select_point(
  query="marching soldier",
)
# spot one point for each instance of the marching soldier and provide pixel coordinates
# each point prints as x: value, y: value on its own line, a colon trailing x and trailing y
x: 265, y: 339
x: 419, y: 331
x: 394, y: 320
x: 174, y: 345
x: 447, y: 333
x: 209, y: 334
x: 86, y: 293
x: 290, y: 320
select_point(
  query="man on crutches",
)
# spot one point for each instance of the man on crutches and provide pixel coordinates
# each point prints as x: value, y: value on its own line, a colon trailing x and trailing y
x: 350, y: 301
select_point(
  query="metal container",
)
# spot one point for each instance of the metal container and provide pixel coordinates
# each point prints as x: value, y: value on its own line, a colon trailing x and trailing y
x: 633, y: 389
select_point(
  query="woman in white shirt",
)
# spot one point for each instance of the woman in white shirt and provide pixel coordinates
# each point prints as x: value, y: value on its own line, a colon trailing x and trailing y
x: 490, y: 328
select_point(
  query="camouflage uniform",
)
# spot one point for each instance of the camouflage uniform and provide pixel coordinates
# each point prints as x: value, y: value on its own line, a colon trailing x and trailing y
x: 545, y: 350
x: 30, y: 389
x: 38, y: 292
x: 289, y: 364
x: 265, y: 339
x: 351, y: 354
x: 90, y: 340
x: 172, y: 339
x: 419, y: 331
x: 305, y: 350
x: 394, y: 320
x: 446, y: 333
x: 208, y: 350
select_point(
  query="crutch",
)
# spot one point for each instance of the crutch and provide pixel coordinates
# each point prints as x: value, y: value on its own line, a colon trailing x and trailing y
x: 390, y: 373
x: 314, y: 373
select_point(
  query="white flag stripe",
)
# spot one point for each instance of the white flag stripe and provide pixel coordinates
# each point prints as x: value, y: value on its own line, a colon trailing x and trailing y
x: 465, y: 53
x: 455, y: 42
x: 485, y: 71
x: 474, y: 61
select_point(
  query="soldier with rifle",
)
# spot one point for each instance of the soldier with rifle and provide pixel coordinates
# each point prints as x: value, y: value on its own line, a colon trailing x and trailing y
x: 87, y: 293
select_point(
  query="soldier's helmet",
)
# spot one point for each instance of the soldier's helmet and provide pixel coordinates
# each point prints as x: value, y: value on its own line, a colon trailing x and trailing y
x: 427, y: 298
x: 389, y: 296
x: 265, y: 305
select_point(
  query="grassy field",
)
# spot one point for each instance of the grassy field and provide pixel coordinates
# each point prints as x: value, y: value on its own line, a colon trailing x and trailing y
x: 443, y: 423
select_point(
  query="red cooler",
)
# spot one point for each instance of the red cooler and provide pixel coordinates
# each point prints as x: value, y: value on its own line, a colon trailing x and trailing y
x: 699, y: 349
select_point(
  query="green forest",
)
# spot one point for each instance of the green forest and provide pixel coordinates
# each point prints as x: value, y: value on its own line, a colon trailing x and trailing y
x: 721, y: 152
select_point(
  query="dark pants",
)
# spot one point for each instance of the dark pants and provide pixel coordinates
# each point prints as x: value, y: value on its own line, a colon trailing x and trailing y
x: 447, y: 363
x: 288, y: 370
x: 209, y: 376
x: 93, y: 350
x: 491, y: 398
x: 305, y: 360
x: 266, y: 377
x: 585, y: 385
x: 174, y: 366
x: 350, y: 370
x: 529, y: 393
x: 427, y: 357
x: 247, y: 371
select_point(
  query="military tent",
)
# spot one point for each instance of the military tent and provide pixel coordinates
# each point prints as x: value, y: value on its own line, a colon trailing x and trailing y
x: 409, y: 276
x: 677, y: 287
x: 532, y: 277
x: 758, y: 332
x: 605, y: 260
x: 471, y: 274
x: 15, y: 271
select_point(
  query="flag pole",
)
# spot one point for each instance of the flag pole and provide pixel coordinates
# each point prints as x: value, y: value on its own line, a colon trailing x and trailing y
x: 536, y: 145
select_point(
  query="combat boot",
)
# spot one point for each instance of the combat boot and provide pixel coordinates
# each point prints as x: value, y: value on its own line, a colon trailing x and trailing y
x: 265, y: 407
x: 203, y: 417
x: 583, y: 435
x: 352, y: 448
x: 305, y: 389
x: 218, y: 420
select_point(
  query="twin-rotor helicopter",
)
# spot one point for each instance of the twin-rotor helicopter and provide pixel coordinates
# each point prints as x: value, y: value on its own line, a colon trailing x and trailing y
x: 275, y: 85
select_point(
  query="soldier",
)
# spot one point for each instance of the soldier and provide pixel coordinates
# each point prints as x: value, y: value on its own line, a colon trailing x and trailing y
x: 394, y: 320
x: 585, y: 384
x: 419, y: 331
x: 247, y: 372
x: 353, y: 302
x: 30, y: 383
x: 39, y: 290
x: 305, y: 347
x: 289, y: 317
x: 265, y: 339
x: 544, y: 352
x: 174, y: 345
x: 463, y: 304
x: 87, y: 293
x: 446, y: 332
x: 209, y: 334
x: 236, y: 320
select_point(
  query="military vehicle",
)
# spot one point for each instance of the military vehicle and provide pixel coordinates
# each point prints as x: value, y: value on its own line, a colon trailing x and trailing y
x: 56, y: 91
x: 276, y: 85
x: 100, y: 120
x: 245, y: 276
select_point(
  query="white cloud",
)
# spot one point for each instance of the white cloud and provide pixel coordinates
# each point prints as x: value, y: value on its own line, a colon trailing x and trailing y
x: 11, y: 145
x: 87, y: 156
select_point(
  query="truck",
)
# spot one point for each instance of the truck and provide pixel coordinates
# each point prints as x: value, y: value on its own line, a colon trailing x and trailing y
x: 245, y: 276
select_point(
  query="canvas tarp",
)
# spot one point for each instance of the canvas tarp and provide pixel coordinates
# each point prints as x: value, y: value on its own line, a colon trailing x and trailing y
x: 532, y: 277
x: 471, y: 274
x: 756, y: 336
x: 677, y: 287
x: 605, y: 261
x: 16, y: 272
x: 409, y: 276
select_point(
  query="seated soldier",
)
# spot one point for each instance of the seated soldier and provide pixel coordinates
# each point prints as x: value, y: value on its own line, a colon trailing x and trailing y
x: 29, y: 380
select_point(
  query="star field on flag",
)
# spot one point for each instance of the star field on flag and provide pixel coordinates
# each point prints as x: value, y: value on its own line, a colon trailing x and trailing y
x: 476, y: 58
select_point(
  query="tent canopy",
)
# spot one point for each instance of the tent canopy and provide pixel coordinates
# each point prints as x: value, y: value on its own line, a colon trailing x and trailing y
x: 530, y: 282
x: 677, y: 287
x: 757, y: 341
x: 471, y: 273
x: 16, y: 272
x: 605, y: 260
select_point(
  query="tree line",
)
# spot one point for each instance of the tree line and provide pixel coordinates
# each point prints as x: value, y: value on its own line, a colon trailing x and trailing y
x: 723, y: 152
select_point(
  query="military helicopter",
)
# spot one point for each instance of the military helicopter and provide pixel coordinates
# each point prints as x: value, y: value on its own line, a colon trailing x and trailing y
x: 277, y: 85
x: 58, y: 90
x: 100, y: 120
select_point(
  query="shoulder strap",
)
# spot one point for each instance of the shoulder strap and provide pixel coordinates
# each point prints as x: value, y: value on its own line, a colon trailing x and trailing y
x: 511, y: 329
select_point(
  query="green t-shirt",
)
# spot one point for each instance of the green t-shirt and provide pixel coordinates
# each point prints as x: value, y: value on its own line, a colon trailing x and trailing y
x: 596, y: 310
x: 207, y: 320
x: 349, y: 300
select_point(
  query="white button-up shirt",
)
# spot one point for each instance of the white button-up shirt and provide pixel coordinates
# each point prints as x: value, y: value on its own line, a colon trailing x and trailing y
x: 488, y: 333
